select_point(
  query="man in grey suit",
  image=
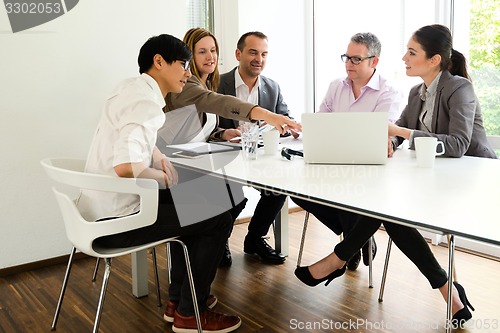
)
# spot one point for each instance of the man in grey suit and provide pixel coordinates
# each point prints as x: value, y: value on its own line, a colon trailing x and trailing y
x: 247, y: 83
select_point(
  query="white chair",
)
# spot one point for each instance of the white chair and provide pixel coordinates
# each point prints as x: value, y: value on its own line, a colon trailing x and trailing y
x: 82, y: 233
x: 155, y: 269
x: 370, y: 254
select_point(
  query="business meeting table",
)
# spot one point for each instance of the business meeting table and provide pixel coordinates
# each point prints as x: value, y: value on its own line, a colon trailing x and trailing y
x: 458, y: 197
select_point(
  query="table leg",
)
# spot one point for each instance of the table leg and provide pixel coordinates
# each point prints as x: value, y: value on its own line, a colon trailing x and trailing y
x: 281, y: 230
x: 139, y: 273
x: 451, y: 253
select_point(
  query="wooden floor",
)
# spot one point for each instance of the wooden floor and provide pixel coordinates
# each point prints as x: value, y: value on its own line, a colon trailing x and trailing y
x: 268, y: 298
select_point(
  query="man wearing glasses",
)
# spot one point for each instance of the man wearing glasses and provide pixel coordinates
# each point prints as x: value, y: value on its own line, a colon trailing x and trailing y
x: 363, y: 90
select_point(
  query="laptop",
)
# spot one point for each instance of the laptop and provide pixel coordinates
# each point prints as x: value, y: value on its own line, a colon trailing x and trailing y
x: 345, y: 137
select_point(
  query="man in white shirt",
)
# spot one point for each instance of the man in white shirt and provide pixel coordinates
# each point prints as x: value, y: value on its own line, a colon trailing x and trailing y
x: 247, y: 83
x: 124, y: 146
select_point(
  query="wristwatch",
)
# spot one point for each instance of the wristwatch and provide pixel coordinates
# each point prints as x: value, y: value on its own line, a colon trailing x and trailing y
x: 218, y: 135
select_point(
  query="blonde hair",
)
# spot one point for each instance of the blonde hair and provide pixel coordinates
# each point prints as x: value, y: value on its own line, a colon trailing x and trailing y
x: 193, y: 36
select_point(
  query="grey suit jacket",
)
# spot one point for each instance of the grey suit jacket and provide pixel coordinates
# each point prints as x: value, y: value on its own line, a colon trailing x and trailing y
x: 269, y: 96
x: 457, y: 119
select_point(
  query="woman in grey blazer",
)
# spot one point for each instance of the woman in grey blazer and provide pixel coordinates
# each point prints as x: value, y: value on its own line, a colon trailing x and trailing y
x: 444, y: 106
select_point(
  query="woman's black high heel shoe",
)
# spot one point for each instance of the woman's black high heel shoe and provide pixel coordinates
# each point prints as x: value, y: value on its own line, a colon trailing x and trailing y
x: 464, y: 314
x: 304, y: 275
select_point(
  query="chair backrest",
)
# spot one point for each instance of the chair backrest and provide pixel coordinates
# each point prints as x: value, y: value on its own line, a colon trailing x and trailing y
x: 81, y: 232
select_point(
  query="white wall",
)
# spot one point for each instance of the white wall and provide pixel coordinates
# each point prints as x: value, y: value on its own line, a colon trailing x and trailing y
x: 55, y: 78
x: 53, y: 83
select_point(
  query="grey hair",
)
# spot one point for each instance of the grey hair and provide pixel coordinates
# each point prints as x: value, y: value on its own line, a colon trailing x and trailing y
x: 371, y: 42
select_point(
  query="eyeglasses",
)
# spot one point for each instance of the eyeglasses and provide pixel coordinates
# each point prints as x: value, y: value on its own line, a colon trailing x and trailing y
x: 354, y: 60
x: 184, y: 63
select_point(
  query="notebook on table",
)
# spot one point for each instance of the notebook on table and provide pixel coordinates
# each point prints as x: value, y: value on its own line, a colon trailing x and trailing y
x: 345, y: 137
x: 194, y: 149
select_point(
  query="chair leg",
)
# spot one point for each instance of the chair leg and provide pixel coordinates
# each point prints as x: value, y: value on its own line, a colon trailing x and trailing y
x: 157, y: 280
x: 384, y: 275
x: 169, y: 263
x: 303, y: 238
x: 105, y: 280
x: 63, y: 288
x: 155, y: 267
x: 96, y: 268
x: 370, y: 262
x: 191, y: 283
x: 448, y: 236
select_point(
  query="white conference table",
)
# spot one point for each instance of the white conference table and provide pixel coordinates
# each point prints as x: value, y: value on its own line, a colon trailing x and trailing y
x: 458, y: 197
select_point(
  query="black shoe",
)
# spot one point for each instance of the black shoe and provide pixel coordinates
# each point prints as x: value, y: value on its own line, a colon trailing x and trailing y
x: 461, y: 316
x: 304, y: 275
x: 365, y: 249
x: 353, y: 263
x: 260, y: 247
x: 226, y: 260
x: 236, y: 210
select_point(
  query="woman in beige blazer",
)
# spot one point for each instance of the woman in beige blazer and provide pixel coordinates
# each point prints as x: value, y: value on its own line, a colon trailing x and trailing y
x: 192, y: 116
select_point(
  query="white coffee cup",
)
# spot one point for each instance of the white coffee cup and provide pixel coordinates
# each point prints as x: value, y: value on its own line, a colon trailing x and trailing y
x: 271, y: 140
x: 426, y: 150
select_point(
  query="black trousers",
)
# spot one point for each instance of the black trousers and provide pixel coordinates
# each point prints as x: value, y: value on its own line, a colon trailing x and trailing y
x: 265, y: 213
x: 205, y: 242
x: 361, y: 228
x: 337, y: 220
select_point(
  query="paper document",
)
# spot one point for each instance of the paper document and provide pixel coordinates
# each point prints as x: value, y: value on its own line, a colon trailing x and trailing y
x: 201, y: 147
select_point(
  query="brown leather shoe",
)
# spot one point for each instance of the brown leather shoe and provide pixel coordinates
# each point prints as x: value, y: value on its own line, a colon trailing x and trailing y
x: 172, y: 306
x: 211, y: 321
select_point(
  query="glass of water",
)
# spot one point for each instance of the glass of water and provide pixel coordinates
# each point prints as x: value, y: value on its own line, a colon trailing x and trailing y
x: 249, y: 139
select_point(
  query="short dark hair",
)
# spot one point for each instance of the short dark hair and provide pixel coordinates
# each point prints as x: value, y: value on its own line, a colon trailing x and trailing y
x: 169, y: 47
x: 241, y: 42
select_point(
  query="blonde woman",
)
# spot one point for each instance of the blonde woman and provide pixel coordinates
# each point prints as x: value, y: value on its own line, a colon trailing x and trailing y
x: 192, y: 116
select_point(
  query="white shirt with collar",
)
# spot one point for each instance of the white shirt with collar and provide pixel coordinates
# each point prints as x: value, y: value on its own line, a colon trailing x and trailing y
x: 428, y: 96
x: 242, y: 89
x: 126, y: 133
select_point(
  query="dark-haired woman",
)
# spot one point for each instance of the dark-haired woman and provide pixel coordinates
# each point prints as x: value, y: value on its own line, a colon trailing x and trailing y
x: 443, y: 106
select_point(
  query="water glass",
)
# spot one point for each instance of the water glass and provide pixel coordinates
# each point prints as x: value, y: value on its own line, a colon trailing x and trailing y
x: 249, y: 139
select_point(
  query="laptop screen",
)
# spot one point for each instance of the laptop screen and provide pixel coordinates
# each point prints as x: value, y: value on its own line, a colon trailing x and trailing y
x: 345, y: 137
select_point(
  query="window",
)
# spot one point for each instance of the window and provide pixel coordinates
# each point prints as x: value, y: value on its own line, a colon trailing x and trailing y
x: 200, y: 14
x: 477, y: 35
x: 336, y: 22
